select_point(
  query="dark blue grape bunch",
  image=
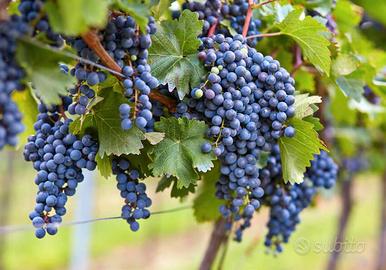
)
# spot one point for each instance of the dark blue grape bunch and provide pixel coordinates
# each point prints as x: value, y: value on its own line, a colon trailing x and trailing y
x: 246, y: 100
x: 134, y: 193
x: 287, y: 201
x: 129, y: 48
x: 11, y: 76
x: 32, y: 13
x: 323, y: 170
x: 58, y: 157
x: 82, y: 96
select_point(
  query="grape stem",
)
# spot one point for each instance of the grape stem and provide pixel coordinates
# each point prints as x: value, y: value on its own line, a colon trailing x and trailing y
x: 248, y: 18
x: 92, y: 40
x: 212, y: 29
x: 254, y: 6
x: 3, y: 10
x: 265, y: 35
x: 298, y: 60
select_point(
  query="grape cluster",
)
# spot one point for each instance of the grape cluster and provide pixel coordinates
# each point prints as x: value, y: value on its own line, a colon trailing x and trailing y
x: 246, y: 100
x: 32, y: 13
x: 323, y: 171
x: 134, y: 193
x: 11, y: 75
x: 287, y: 201
x: 58, y: 157
x: 82, y: 96
x: 213, y: 12
x: 355, y: 164
x: 129, y: 48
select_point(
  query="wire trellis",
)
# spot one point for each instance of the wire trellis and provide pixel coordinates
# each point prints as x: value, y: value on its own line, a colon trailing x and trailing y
x: 28, y: 227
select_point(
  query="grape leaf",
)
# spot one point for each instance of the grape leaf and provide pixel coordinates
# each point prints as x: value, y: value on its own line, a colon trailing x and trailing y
x: 344, y: 64
x: 346, y: 16
x: 305, y: 81
x: 154, y: 137
x: 112, y: 138
x: 81, y: 124
x: 29, y: 109
x: 173, y: 54
x: 104, y: 165
x: 74, y: 17
x: 305, y: 105
x: 297, y: 152
x: 308, y: 33
x: 206, y: 204
x: 179, y: 153
x: 139, y: 10
x: 175, y: 192
x: 315, y: 121
x: 42, y: 67
x: 351, y: 87
x: 160, y: 9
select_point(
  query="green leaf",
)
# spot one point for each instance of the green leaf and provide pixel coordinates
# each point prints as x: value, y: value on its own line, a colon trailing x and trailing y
x: 173, y: 54
x: 351, y: 87
x: 344, y: 64
x: 160, y: 9
x: 305, y: 105
x: 181, y: 192
x: 154, y: 137
x: 139, y: 10
x: 309, y: 34
x: 81, y: 124
x: 345, y: 16
x: 164, y: 183
x: 305, y: 81
x: 74, y: 17
x: 104, y: 165
x: 112, y: 138
x: 315, y: 121
x: 179, y: 153
x: 175, y: 192
x: 339, y: 107
x: 29, y: 109
x: 206, y: 204
x: 297, y: 152
x: 263, y: 159
x: 42, y: 67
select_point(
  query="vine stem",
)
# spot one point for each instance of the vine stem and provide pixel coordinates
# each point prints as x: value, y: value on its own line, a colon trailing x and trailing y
x: 212, y: 29
x: 347, y: 203
x: 248, y: 18
x: 298, y: 60
x: 217, y: 239
x: 264, y: 35
x: 3, y: 9
x: 254, y: 6
x: 381, y: 263
x: 92, y: 40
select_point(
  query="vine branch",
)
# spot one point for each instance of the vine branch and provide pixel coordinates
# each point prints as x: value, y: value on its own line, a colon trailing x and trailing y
x: 255, y: 6
x: 248, y: 18
x: 347, y: 203
x: 217, y: 238
x: 92, y: 40
x: 381, y: 264
x: 3, y: 9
